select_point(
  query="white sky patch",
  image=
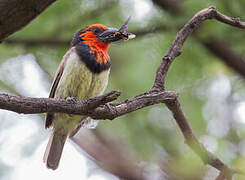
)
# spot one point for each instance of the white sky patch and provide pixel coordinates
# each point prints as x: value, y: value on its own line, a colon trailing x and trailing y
x: 229, y: 152
x: 211, y: 173
x: 220, y: 88
x: 25, y: 76
x: 13, y: 138
x: 72, y: 166
x: 209, y: 142
x: 141, y: 9
x: 99, y: 177
x: 241, y: 147
x: 161, y: 117
x: 240, y: 112
x: 32, y: 78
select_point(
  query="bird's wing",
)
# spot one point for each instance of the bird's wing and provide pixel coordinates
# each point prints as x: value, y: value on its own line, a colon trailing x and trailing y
x: 59, y: 72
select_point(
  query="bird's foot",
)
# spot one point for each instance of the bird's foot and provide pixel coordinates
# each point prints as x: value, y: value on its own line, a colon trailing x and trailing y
x: 71, y: 99
x: 109, y: 106
x: 112, y: 110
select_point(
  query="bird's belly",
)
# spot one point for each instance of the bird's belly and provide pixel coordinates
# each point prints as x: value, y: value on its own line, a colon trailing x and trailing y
x: 79, y: 82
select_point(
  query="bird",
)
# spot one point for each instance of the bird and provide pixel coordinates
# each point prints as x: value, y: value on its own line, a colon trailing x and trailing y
x: 82, y: 73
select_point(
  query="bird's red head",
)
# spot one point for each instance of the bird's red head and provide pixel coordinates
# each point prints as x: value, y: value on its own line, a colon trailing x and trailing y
x: 92, y: 44
x: 90, y: 36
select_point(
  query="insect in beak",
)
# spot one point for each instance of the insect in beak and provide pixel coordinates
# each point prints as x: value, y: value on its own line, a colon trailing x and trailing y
x: 113, y: 34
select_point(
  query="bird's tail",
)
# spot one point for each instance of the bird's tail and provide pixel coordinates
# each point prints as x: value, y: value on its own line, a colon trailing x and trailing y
x: 54, y: 149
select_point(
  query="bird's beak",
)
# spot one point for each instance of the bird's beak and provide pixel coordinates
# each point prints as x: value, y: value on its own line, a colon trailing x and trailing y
x: 113, y: 34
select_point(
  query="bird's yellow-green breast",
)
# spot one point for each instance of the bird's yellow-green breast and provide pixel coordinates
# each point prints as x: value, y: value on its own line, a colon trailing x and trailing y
x: 79, y: 82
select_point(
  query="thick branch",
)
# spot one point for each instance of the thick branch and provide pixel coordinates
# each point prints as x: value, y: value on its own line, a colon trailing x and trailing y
x: 90, y: 107
x: 15, y: 14
x: 29, y: 105
x: 132, y: 104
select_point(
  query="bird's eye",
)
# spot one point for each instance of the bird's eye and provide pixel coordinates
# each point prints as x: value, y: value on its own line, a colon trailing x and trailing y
x: 96, y: 31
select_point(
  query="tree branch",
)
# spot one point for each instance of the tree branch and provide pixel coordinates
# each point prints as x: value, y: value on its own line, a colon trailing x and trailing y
x: 15, y: 14
x: 28, y: 105
x: 94, y: 107
x: 90, y: 107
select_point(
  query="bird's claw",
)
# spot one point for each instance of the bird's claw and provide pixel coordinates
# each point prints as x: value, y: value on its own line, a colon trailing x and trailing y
x: 108, y: 105
x: 71, y: 99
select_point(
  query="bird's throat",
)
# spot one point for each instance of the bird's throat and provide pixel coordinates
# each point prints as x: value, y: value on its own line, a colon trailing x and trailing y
x: 100, y: 50
x: 94, y: 55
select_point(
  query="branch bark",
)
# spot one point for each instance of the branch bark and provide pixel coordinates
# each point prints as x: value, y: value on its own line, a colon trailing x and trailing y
x: 94, y: 107
x: 28, y: 105
x: 15, y: 14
